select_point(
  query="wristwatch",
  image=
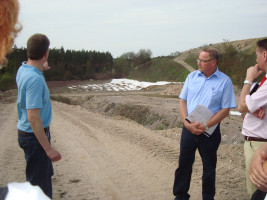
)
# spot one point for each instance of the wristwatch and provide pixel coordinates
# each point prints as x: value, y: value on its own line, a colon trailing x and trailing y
x: 247, y: 82
x: 206, y: 126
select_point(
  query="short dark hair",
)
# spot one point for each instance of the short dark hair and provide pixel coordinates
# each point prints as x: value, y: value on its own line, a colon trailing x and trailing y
x: 262, y: 44
x: 214, y: 53
x: 37, y: 45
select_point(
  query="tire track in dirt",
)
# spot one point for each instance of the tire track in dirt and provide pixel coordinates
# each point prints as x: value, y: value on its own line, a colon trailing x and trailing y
x: 144, y: 138
x: 167, y: 151
x: 112, y: 167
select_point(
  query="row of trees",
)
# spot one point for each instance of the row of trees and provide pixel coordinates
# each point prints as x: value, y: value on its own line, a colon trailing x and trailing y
x: 75, y: 65
x: 127, y: 61
x: 78, y: 65
x: 81, y: 65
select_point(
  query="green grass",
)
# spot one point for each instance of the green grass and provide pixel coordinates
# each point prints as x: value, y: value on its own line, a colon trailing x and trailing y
x: 159, y: 69
x: 191, y: 60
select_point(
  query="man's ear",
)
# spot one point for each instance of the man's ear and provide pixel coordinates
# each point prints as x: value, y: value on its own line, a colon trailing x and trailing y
x: 265, y: 55
x: 46, y: 54
x: 216, y: 61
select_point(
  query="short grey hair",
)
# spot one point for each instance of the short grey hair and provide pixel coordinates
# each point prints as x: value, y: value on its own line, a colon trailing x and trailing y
x: 214, y: 53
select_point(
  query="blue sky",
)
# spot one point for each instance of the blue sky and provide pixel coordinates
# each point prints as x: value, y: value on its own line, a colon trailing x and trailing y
x: 120, y: 26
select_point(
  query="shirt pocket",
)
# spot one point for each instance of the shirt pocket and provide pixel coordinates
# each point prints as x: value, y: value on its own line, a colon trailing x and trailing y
x: 216, y: 96
x: 192, y: 91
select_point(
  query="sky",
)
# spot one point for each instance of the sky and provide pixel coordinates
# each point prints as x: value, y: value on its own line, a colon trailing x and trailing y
x: 121, y: 26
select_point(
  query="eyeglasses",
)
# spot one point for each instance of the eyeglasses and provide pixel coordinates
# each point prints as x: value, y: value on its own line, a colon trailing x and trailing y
x: 204, y: 61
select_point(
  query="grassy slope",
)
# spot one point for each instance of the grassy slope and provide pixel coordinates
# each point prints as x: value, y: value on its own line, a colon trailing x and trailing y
x: 237, y: 56
x: 159, y: 69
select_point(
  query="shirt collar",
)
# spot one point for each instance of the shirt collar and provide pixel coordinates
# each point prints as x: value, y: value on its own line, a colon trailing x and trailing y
x: 30, y: 67
x: 216, y: 73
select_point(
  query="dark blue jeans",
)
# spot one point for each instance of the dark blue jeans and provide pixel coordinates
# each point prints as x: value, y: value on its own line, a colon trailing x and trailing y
x: 39, y: 168
x: 207, y: 147
x: 258, y: 195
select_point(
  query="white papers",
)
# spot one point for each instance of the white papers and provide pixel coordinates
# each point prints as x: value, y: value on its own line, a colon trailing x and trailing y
x: 202, y: 114
x: 25, y: 191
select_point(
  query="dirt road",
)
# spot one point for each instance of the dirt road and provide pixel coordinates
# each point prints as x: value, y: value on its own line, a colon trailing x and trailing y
x: 112, y: 158
x: 184, y: 64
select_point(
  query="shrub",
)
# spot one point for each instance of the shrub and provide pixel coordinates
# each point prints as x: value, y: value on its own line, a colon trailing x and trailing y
x: 6, y: 81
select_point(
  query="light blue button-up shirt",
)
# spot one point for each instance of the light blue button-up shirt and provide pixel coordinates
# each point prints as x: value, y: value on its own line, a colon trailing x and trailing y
x: 32, y: 93
x: 215, y: 92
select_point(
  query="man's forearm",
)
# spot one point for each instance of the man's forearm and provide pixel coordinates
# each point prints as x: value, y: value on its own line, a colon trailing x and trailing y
x: 242, y: 105
x: 38, y: 129
x: 252, y: 73
x: 218, y: 117
x: 183, y: 109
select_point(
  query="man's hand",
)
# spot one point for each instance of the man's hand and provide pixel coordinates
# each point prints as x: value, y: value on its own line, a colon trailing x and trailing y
x: 35, y: 120
x: 260, y: 113
x: 253, y: 72
x: 195, y: 127
x: 257, y: 175
x: 46, y: 66
x: 53, y: 155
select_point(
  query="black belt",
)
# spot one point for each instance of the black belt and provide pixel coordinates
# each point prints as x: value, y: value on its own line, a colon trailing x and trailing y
x: 255, y: 139
x: 24, y: 133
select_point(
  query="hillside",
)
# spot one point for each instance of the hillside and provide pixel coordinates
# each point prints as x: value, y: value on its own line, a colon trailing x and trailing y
x: 159, y: 69
x: 241, y: 45
x: 235, y: 58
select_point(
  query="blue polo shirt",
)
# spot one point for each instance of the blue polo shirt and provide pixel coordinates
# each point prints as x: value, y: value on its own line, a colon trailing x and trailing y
x: 32, y: 93
x: 215, y: 92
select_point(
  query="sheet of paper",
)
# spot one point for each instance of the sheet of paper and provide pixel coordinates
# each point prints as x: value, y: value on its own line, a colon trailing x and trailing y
x: 202, y: 114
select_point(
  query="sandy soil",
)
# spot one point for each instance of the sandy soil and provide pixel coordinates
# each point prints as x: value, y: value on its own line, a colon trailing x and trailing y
x: 110, y: 157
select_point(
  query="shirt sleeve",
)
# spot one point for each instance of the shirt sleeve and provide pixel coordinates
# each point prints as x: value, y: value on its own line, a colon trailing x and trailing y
x: 184, y: 92
x: 34, y: 93
x: 257, y: 99
x: 228, y: 98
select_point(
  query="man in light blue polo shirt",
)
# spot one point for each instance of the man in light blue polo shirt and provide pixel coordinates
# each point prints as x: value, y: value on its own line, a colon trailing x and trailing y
x: 34, y: 115
x: 213, y: 89
x: 33, y: 93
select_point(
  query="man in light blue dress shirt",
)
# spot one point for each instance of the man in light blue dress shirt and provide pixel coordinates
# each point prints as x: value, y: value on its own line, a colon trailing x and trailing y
x: 213, y: 89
